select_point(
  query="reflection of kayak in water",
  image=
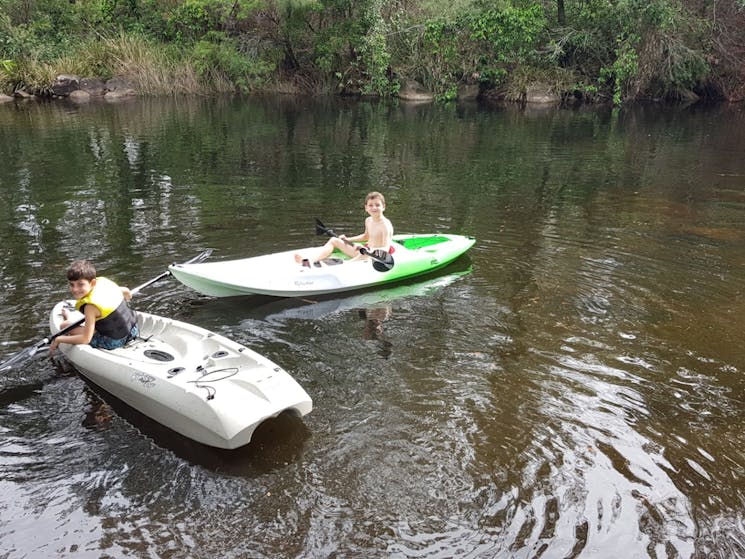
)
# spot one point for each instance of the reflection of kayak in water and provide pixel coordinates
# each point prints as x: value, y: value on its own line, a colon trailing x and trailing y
x: 303, y: 309
x: 279, y: 275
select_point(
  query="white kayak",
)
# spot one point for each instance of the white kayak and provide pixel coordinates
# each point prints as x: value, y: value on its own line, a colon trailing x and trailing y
x: 198, y: 383
x: 278, y: 274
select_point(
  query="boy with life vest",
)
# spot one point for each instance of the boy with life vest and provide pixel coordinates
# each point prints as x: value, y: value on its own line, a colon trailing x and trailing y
x: 109, y: 322
x: 378, y: 235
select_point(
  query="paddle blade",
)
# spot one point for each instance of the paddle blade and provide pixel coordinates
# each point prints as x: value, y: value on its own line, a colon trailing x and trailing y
x: 200, y: 257
x: 384, y: 261
x: 196, y: 260
x: 18, y: 360
x: 321, y: 229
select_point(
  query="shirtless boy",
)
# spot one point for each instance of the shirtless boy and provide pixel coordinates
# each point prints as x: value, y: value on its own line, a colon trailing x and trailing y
x: 378, y: 235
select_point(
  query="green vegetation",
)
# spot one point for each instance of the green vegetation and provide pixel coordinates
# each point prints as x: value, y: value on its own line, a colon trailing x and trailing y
x: 595, y: 50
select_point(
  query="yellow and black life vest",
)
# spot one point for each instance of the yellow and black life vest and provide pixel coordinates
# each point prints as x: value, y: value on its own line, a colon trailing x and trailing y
x: 116, y: 318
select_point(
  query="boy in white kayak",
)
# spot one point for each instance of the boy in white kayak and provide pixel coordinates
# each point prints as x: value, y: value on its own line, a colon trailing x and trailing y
x: 378, y: 235
x: 109, y: 322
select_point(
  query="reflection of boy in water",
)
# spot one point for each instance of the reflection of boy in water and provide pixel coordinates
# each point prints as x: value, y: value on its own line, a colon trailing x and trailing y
x: 98, y: 414
x: 374, y: 319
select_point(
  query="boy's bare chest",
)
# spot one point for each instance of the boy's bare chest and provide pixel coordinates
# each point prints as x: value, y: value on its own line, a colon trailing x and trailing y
x: 377, y: 229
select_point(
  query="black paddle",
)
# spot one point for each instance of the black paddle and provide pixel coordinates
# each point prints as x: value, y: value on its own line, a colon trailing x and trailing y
x: 381, y: 263
x: 20, y: 358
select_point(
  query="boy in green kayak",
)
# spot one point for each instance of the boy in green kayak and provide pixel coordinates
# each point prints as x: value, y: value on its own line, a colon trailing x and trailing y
x: 109, y: 322
x: 378, y: 235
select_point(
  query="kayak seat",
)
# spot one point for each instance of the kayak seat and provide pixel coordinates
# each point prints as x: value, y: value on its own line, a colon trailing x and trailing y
x: 137, y: 339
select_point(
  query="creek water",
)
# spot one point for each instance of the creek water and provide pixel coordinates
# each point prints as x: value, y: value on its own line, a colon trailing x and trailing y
x: 572, y: 387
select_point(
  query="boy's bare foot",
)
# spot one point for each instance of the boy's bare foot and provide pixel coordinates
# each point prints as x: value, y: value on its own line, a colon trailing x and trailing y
x: 304, y: 262
x: 299, y: 258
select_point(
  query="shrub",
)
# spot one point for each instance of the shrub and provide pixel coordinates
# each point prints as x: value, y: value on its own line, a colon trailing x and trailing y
x: 218, y: 62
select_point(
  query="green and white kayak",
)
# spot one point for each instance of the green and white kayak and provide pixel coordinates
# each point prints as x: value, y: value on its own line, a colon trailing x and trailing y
x: 279, y: 275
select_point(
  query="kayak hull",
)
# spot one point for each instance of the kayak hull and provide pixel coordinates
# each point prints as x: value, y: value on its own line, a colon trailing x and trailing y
x: 198, y: 383
x: 279, y: 275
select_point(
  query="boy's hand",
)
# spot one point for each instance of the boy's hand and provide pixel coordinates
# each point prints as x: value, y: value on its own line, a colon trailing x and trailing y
x: 127, y: 293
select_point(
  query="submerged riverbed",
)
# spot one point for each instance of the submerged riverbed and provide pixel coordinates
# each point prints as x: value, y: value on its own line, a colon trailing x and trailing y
x: 573, y: 387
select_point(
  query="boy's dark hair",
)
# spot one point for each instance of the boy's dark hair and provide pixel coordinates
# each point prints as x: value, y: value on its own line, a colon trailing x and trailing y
x: 81, y: 269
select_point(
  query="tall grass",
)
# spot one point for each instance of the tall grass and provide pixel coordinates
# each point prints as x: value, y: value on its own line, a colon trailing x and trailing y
x: 30, y: 75
x: 151, y: 68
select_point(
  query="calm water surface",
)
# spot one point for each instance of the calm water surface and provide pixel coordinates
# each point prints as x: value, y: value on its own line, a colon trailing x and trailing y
x: 572, y: 388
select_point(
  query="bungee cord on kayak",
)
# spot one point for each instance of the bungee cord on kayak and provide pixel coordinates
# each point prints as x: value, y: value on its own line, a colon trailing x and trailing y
x: 211, y: 390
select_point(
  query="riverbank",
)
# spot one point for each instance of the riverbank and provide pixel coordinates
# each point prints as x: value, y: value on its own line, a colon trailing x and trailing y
x: 90, y: 90
x: 85, y: 90
x: 615, y: 52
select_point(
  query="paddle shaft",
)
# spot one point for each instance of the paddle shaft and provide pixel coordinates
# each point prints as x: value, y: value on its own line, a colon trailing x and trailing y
x: 363, y: 250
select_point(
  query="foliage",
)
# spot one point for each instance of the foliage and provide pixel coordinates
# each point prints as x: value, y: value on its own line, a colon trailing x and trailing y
x: 551, y: 79
x: 217, y: 60
x: 374, y: 56
x: 632, y: 48
x: 144, y: 17
x: 444, y: 59
x: 22, y: 36
x: 622, y: 70
x: 511, y: 33
x: 485, y: 44
x: 30, y: 75
x: 149, y: 67
x: 193, y: 19
x: 8, y: 75
x: 616, y: 49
